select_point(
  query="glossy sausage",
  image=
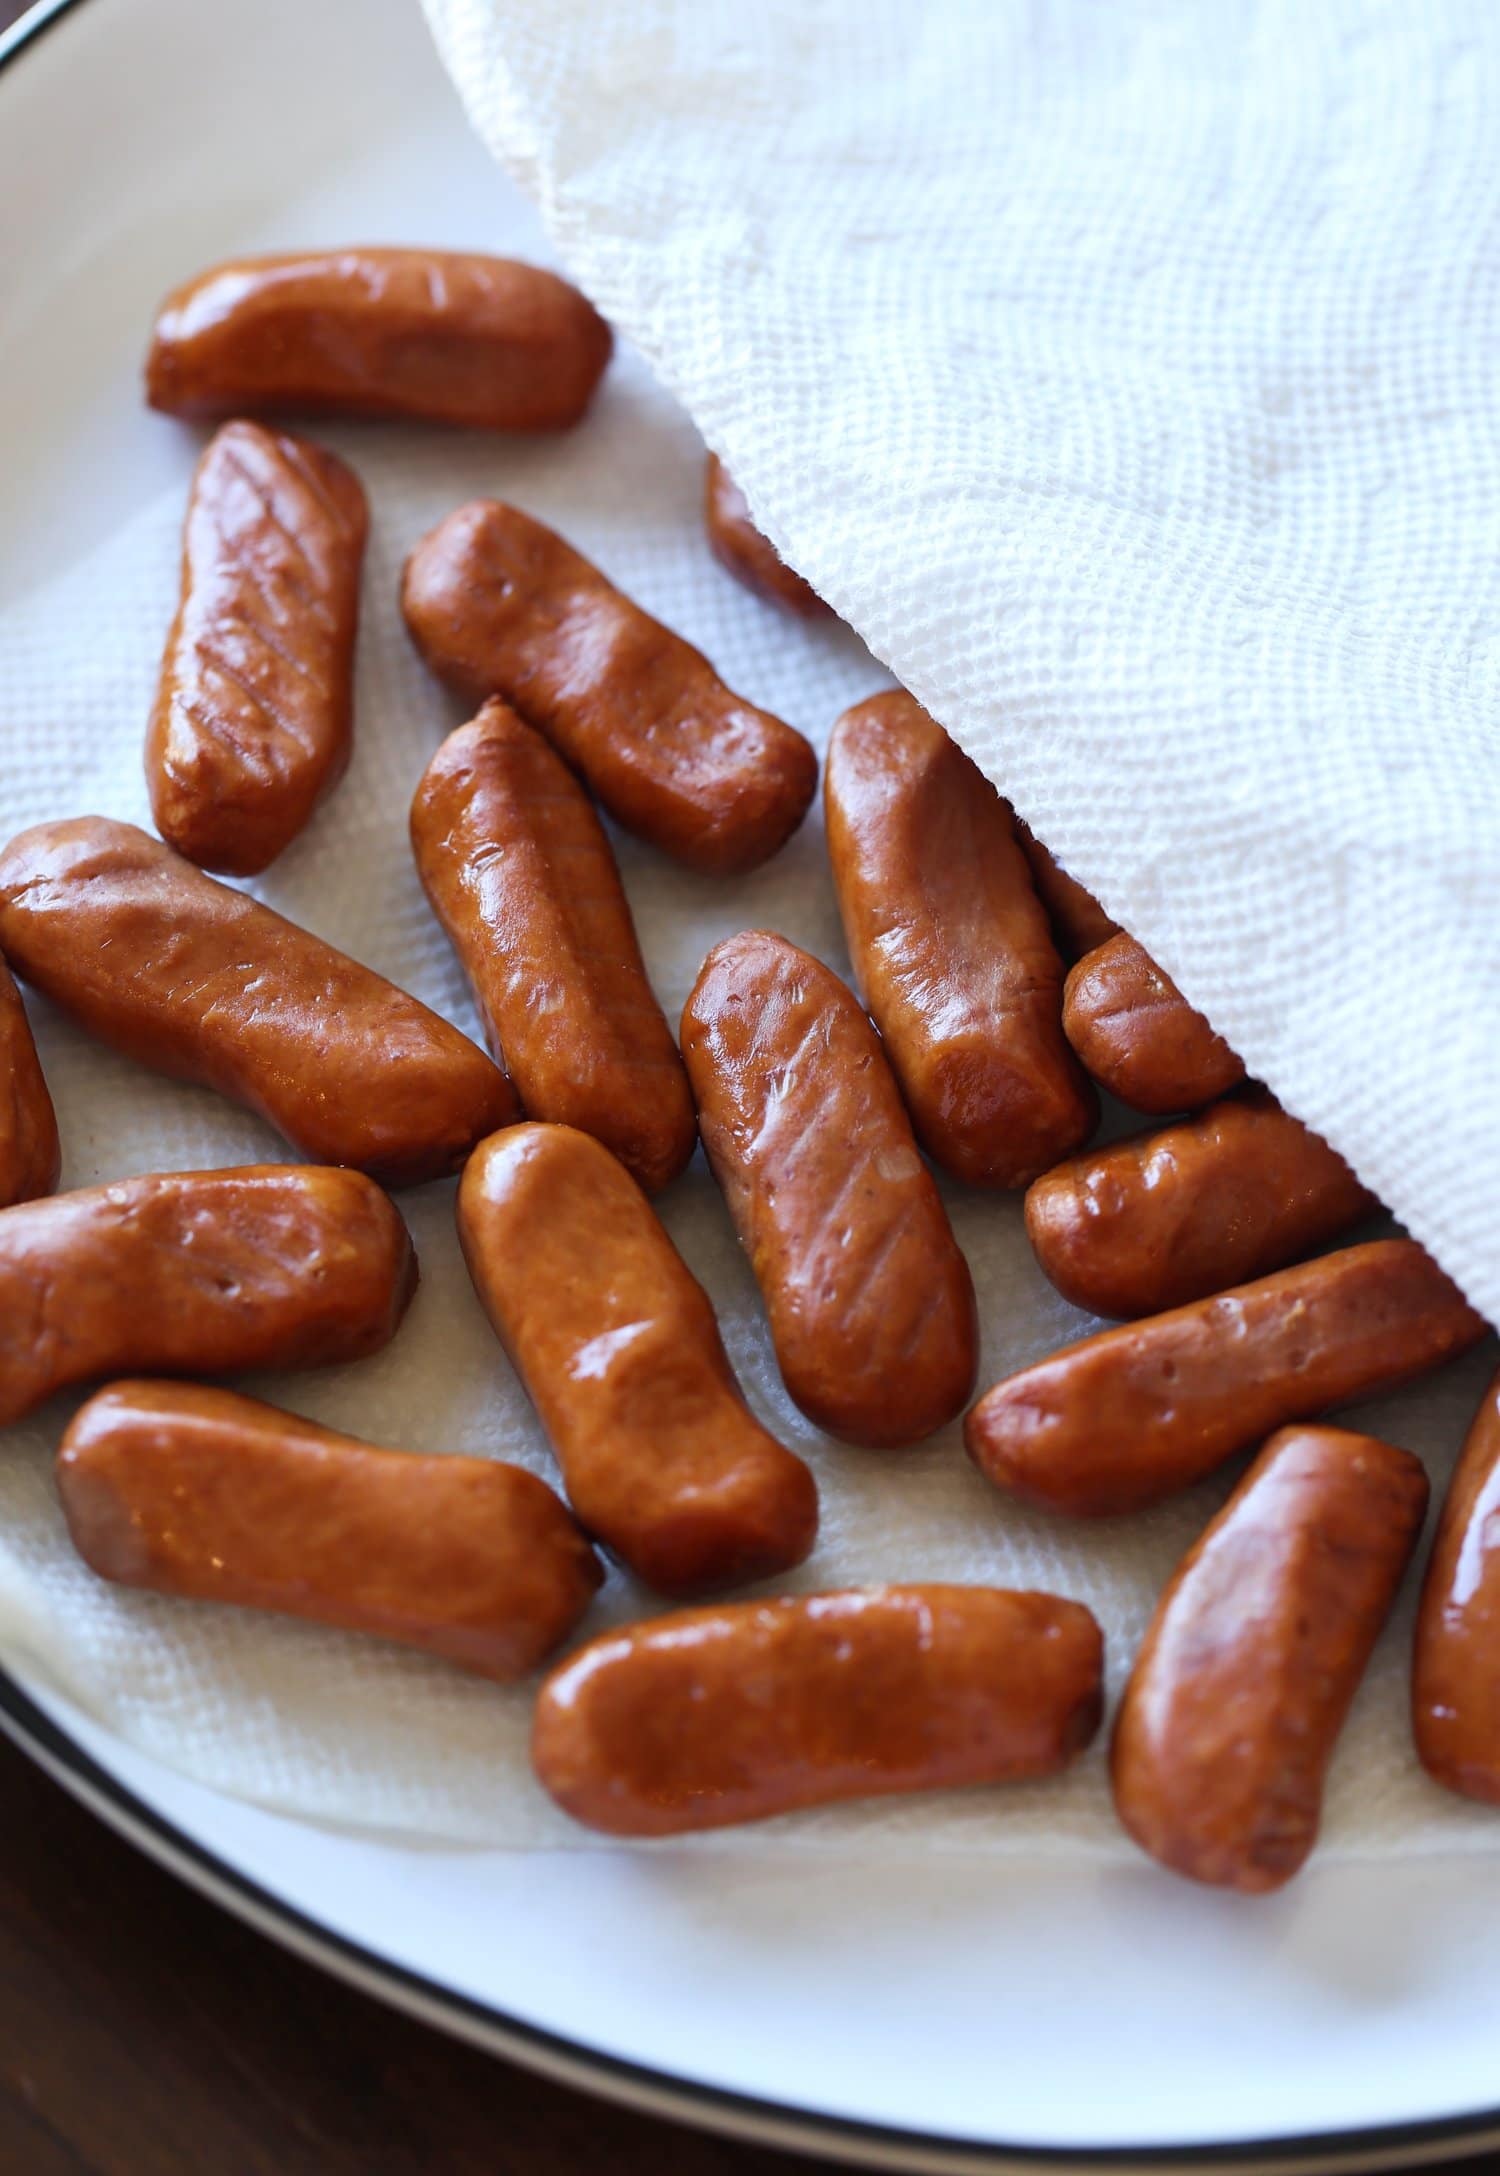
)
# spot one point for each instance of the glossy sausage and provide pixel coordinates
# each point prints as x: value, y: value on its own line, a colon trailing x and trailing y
x: 521, y: 876
x: 716, y: 1716
x: 219, y: 1498
x: 203, y: 983
x: 951, y: 947
x: 870, y: 1302
x: 1134, y: 1414
x: 198, y: 1273
x: 433, y: 334
x: 620, y: 1352
x: 1138, y: 1035
x: 253, y: 715
x: 742, y: 551
x: 1078, y: 921
x: 1150, y: 1223
x: 498, y: 605
x: 1456, y: 1664
x: 30, y: 1154
x: 1256, y: 1650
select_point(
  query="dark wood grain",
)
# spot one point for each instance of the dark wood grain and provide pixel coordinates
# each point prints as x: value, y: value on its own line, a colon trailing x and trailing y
x: 145, y: 2033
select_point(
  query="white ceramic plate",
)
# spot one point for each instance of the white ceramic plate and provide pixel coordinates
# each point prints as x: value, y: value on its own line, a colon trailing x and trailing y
x: 946, y: 2014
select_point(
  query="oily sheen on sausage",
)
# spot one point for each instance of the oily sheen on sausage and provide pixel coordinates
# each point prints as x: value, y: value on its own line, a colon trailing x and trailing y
x: 218, y: 1498
x: 619, y: 1349
x: 521, y: 876
x: 1149, y: 1223
x: 499, y: 605
x: 30, y: 1153
x: 951, y: 947
x: 1138, y: 1035
x: 203, y: 983
x: 870, y: 1302
x: 1133, y: 1414
x: 198, y: 1273
x: 436, y: 335
x: 253, y: 718
x: 1456, y: 1661
x: 721, y: 1715
x: 1257, y: 1648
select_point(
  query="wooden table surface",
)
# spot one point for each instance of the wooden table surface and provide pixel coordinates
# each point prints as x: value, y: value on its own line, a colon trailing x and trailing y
x: 145, y: 2033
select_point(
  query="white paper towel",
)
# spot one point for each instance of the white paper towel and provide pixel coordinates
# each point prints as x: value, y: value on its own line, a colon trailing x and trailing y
x: 353, y: 1731
x: 1127, y: 376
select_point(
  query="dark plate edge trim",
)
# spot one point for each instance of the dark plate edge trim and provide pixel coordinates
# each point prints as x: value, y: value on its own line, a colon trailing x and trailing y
x: 573, y: 2063
x: 28, y: 27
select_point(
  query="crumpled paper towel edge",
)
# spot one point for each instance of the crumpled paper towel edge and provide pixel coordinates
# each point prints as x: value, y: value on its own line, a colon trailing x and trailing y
x: 502, y: 121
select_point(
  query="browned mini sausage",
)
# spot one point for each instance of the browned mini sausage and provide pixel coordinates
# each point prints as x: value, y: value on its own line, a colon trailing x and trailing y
x: 1255, y: 1652
x: 870, y: 1302
x: 1150, y: 1223
x: 620, y: 1353
x: 715, y: 1716
x: 1456, y: 1664
x: 219, y: 1498
x: 521, y: 876
x: 742, y: 551
x: 1079, y: 921
x: 205, y: 984
x: 198, y: 1273
x: 253, y: 715
x: 498, y: 605
x: 1131, y: 1415
x: 1139, y: 1036
x: 428, y: 333
x: 951, y: 947
x: 30, y: 1154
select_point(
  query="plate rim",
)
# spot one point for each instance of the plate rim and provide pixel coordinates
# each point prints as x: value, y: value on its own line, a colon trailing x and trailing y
x: 615, y: 2078
x: 658, y: 2092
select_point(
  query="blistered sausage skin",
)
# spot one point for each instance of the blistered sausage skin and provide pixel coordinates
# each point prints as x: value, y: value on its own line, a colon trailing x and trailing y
x: 218, y: 1498
x: 1134, y: 1414
x: 1142, y: 1225
x: 1079, y: 922
x: 619, y: 1350
x: 951, y: 947
x: 870, y: 1302
x: 499, y: 605
x: 1456, y: 1663
x: 1255, y: 1653
x: 30, y: 1152
x: 742, y: 551
x: 253, y: 715
x: 203, y: 983
x: 1138, y: 1035
x: 521, y: 876
x: 717, y: 1716
x: 198, y: 1273
x: 437, y: 335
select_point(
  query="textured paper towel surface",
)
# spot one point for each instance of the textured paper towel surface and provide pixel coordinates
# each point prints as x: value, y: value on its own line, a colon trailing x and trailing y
x: 343, y: 1730
x: 1126, y: 375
